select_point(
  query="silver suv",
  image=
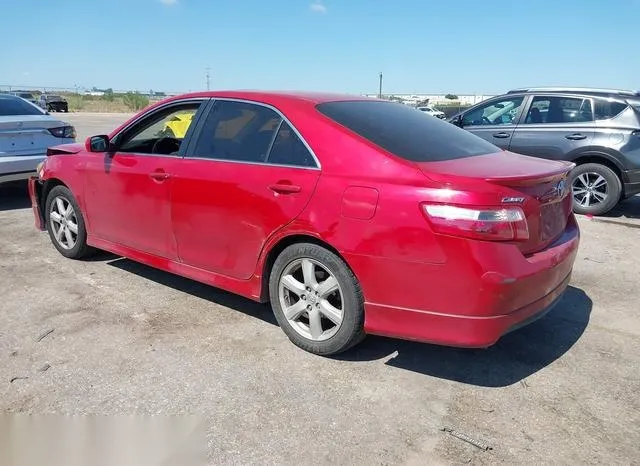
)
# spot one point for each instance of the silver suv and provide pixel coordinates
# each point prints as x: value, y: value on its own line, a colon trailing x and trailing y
x: 598, y: 129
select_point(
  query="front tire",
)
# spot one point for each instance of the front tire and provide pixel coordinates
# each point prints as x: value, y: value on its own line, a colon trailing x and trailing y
x: 596, y: 189
x: 316, y: 299
x: 65, y: 223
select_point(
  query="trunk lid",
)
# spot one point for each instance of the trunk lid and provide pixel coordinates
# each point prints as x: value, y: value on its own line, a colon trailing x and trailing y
x: 26, y: 134
x: 71, y: 148
x: 540, y: 187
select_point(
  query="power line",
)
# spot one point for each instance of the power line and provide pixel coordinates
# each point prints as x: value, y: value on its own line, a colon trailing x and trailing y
x: 208, y: 78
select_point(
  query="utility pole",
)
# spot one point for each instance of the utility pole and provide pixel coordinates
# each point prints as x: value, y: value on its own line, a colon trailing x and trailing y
x: 208, y: 77
x: 380, y: 88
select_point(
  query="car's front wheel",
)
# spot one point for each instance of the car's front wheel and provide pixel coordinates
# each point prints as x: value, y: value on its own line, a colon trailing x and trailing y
x: 596, y: 189
x: 65, y: 223
x: 316, y: 299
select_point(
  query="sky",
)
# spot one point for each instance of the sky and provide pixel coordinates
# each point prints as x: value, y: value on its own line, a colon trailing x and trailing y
x: 420, y: 46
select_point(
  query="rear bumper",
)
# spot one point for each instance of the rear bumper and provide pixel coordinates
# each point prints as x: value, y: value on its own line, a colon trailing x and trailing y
x: 35, y: 191
x: 483, y: 291
x: 457, y: 330
x: 19, y: 176
x: 631, y: 182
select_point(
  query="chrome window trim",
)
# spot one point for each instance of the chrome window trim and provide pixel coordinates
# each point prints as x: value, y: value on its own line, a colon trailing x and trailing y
x: 244, y: 162
x: 284, y: 118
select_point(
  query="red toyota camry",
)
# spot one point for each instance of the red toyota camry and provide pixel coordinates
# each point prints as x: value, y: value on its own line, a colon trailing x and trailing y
x: 351, y: 215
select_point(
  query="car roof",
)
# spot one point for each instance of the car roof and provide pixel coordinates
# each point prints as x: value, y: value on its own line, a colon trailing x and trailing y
x: 277, y: 97
x: 577, y: 90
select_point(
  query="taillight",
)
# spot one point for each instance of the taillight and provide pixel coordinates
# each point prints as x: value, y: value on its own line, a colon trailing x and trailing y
x: 63, y: 132
x: 499, y: 224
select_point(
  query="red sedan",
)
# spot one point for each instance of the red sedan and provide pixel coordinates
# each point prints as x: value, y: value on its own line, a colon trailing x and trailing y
x: 351, y: 215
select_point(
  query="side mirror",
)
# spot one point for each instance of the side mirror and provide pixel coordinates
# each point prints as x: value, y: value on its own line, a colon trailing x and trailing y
x: 98, y: 143
x: 457, y: 121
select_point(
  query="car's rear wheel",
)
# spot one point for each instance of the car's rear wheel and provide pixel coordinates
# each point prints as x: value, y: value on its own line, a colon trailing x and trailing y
x: 65, y: 223
x: 596, y: 189
x: 316, y: 299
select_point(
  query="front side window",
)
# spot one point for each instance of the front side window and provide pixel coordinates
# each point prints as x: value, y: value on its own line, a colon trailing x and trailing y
x: 547, y: 110
x: 160, y: 133
x: 238, y: 131
x: 497, y: 112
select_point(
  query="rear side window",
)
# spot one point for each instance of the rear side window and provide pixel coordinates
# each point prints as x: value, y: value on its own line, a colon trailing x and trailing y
x: 559, y: 110
x: 17, y: 106
x: 405, y: 131
x: 605, y: 109
x: 237, y: 131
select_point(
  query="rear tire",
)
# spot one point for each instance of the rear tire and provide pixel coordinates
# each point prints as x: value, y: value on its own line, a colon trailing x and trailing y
x: 65, y: 223
x: 314, y: 318
x: 596, y: 189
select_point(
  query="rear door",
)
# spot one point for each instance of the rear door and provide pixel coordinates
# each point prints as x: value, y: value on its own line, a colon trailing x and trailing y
x: 555, y: 126
x: 247, y: 175
x: 495, y: 120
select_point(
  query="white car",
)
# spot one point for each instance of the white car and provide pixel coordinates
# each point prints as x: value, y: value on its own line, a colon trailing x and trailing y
x: 26, y: 131
x: 429, y: 110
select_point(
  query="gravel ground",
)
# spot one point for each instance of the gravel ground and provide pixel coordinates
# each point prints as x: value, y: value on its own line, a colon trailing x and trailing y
x: 128, y: 339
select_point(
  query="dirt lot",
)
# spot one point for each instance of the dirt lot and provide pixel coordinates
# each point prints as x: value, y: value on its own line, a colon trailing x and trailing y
x: 131, y: 340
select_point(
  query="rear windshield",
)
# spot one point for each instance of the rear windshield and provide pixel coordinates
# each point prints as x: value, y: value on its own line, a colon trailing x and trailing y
x: 17, y: 106
x: 405, y: 132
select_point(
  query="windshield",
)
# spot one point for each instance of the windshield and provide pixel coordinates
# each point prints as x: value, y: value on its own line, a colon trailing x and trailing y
x: 401, y: 130
x: 10, y: 105
x: 54, y: 97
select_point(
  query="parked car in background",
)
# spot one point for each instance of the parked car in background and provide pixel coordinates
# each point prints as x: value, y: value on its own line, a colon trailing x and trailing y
x: 351, y: 215
x: 598, y: 129
x: 53, y: 103
x: 26, y: 131
x: 429, y: 110
x: 26, y: 96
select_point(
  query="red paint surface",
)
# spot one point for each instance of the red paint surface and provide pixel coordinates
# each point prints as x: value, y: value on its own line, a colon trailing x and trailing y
x: 216, y: 222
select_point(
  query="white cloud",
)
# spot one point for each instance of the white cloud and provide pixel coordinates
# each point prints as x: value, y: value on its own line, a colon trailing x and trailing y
x: 169, y: 2
x: 318, y: 7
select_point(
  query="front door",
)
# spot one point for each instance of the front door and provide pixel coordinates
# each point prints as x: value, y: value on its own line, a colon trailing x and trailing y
x: 248, y: 175
x: 554, y: 127
x: 495, y: 120
x: 128, y: 190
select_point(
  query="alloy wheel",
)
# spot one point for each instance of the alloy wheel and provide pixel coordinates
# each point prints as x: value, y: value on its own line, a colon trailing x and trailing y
x: 589, y: 189
x: 64, y: 222
x: 311, y: 299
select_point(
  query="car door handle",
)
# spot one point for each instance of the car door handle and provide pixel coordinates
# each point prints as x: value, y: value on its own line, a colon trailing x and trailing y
x: 159, y: 176
x: 501, y: 135
x: 576, y: 136
x: 282, y: 188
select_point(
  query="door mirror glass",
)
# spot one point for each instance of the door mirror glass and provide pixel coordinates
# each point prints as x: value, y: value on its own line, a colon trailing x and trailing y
x: 97, y: 143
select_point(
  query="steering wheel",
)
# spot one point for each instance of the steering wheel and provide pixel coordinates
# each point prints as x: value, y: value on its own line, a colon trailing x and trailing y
x: 166, y: 145
x: 486, y: 121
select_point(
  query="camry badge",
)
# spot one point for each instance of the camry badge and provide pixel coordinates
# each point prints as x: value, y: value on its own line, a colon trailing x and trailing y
x: 512, y: 200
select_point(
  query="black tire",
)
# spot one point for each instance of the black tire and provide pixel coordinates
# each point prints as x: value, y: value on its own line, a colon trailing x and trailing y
x: 351, y: 330
x: 80, y: 249
x: 613, y: 188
